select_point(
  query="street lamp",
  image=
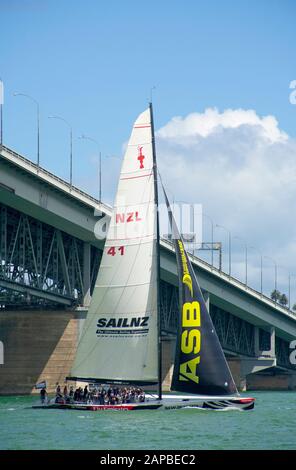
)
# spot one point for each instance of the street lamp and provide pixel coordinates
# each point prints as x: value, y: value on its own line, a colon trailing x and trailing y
x: 275, y: 275
x: 246, y: 258
x: 38, y: 122
x: 290, y: 275
x: 100, y: 162
x: 229, y: 245
x: 261, y: 268
x: 71, y: 143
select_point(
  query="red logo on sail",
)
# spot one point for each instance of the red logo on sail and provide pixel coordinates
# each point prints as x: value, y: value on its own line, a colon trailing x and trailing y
x: 127, y: 217
x: 141, y: 157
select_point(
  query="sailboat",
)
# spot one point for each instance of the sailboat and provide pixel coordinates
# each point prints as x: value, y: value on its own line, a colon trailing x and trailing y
x: 121, y: 340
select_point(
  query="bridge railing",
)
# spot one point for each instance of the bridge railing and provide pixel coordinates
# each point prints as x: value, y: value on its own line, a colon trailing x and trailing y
x: 40, y: 171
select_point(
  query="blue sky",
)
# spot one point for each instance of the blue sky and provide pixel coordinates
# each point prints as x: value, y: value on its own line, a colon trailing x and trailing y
x: 95, y: 62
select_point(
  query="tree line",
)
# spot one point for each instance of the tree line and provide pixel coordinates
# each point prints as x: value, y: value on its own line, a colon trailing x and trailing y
x: 280, y: 298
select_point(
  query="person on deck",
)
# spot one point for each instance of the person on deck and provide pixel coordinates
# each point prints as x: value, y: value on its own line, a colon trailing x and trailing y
x: 102, y: 397
x: 43, y: 395
x: 85, y: 393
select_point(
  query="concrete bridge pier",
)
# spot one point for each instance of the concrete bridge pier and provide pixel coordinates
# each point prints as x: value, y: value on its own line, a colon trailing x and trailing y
x: 244, y: 368
x: 86, y: 273
x: 272, y: 380
x: 261, y: 372
x: 38, y: 345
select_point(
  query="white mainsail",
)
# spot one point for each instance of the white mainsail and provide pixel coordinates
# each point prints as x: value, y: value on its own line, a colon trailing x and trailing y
x: 119, y: 340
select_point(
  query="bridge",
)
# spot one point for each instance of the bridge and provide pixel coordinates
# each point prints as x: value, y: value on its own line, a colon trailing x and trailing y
x: 50, y: 249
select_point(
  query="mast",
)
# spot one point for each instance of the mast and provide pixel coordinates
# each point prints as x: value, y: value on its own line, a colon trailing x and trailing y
x: 157, y: 257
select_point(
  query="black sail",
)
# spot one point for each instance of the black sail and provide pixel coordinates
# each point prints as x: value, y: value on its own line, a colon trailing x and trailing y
x: 200, y: 365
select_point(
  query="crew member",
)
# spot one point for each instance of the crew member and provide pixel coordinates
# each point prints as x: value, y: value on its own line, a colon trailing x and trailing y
x: 43, y: 395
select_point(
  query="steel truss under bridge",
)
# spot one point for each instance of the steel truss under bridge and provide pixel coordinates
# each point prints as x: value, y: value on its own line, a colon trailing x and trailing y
x: 235, y: 335
x: 40, y: 265
x: 282, y: 352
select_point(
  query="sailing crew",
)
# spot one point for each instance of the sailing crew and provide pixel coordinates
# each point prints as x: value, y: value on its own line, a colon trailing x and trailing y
x: 85, y: 393
x: 43, y: 395
x: 111, y: 396
x: 65, y: 391
x: 115, y: 396
x: 102, y: 397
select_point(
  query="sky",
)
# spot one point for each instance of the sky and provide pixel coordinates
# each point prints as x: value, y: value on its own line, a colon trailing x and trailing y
x: 219, y: 73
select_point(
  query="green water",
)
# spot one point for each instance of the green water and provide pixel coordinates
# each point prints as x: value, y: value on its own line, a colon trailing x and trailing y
x: 270, y: 426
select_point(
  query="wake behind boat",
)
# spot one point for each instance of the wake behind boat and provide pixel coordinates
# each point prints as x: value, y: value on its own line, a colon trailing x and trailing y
x: 121, y: 339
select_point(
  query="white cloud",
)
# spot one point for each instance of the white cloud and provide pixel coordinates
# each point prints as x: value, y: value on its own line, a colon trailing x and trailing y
x: 242, y: 168
x: 204, y: 124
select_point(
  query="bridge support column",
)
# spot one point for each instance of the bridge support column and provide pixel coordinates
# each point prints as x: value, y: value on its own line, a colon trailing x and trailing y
x: 235, y: 367
x: 168, y: 353
x: 168, y: 359
x: 272, y: 341
x: 245, y: 368
x: 256, y: 341
x: 259, y: 352
x: 206, y: 296
x: 86, y: 274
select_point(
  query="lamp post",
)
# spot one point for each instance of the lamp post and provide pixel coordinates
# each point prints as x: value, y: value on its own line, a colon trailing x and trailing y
x: 275, y: 275
x: 290, y: 275
x: 261, y: 268
x: 71, y: 143
x: 38, y: 122
x: 212, y: 237
x: 246, y: 258
x: 229, y: 245
x: 100, y: 162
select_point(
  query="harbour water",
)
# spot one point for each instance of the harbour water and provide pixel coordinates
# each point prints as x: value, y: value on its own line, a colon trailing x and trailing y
x: 270, y: 426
